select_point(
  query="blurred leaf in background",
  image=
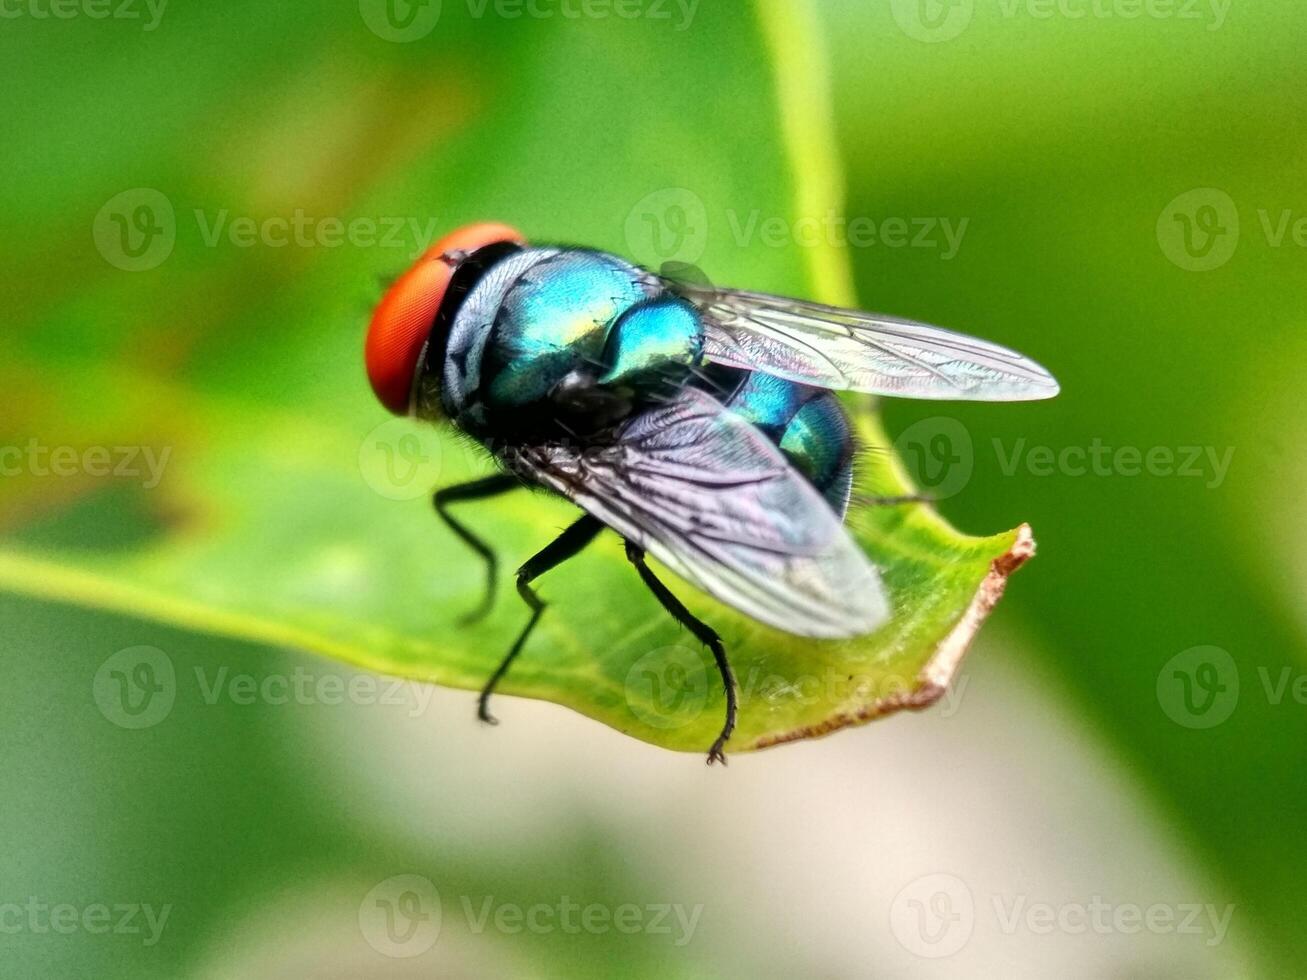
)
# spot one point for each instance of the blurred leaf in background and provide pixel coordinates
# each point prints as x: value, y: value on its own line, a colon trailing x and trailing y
x: 1022, y: 175
x: 1129, y: 186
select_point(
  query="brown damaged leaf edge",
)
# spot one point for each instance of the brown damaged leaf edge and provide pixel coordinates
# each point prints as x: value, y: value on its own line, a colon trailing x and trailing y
x: 943, y: 665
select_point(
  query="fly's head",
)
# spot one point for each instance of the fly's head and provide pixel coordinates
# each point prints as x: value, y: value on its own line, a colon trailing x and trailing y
x: 408, y: 332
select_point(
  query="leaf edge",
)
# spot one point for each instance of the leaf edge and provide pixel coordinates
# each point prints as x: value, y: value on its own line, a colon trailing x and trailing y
x: 938, y: 673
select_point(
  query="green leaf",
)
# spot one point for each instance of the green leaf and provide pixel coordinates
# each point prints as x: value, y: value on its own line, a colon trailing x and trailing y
x: 289, y: 510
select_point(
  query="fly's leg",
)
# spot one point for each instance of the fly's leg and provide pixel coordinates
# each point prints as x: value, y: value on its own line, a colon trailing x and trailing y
x: 476, y: 490
x: 566, y: 545
x: 704, y: 633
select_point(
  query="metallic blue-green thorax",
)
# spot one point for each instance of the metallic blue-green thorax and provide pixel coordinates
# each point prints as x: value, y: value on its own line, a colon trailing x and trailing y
x: 546, y: 331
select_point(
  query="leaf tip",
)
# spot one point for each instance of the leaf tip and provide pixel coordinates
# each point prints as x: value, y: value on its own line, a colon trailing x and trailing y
x: 939, y: 671
x: 941, y: 668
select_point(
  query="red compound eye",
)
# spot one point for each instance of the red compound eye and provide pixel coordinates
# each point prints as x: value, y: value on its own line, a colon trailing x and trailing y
x: 404, y: 317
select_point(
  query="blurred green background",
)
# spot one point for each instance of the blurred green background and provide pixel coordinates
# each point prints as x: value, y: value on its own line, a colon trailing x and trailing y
x: 1113, y: 187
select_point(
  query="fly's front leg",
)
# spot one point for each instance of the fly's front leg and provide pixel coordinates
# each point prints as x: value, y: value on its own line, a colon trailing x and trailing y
x: 566, y: 545
x: 476, y: 490
x: 704, y: 633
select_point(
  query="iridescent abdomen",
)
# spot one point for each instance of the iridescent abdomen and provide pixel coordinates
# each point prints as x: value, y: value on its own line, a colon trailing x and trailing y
x: 809, y: 426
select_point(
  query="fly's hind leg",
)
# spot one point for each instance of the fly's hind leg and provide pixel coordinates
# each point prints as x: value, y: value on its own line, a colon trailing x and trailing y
x: 566, y: 545
x: 704, y: 633
x: 490, y: 486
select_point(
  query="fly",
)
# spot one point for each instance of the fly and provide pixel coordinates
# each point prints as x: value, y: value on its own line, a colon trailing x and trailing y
x: 698, y: 423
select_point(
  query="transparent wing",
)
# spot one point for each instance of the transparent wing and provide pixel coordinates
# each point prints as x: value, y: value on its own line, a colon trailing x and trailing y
x: 831, y: 347
x: 710, y: 497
